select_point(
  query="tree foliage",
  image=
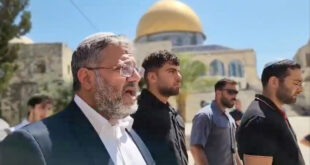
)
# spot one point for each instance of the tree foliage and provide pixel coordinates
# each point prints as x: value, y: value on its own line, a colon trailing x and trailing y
x: 193, y: 80
x: 62, y: 93
x: 191, y: 70
x: 14, y: 22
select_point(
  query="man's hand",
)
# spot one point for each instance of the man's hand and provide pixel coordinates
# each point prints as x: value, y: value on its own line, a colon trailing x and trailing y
x: 199, y: 155
x: 238, y: 160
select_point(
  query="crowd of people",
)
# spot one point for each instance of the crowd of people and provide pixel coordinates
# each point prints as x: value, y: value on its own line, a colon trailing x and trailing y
x: 107, y: 123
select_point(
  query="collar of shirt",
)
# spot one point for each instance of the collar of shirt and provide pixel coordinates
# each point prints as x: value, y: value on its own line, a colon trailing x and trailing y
x: 217, y: 109
x: 220, y: 117
x: 270, y: 104
x: 22, y: 124
x: 25, y: 121
x: 101, y: 124
x: 120, y: 146
x: 147, y: 98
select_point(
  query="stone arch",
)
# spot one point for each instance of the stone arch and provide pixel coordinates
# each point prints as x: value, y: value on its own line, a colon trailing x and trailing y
x: 235, y: 69
x: 217, y: 68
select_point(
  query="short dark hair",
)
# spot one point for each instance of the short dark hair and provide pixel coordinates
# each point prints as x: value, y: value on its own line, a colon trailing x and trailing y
x: 278, y: 69
x: 219, y: 85
x: 38, y: 99
x: 157, y: 59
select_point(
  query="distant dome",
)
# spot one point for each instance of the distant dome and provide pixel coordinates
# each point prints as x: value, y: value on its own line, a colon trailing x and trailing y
x: 169, y: 16
x: 21, y: 40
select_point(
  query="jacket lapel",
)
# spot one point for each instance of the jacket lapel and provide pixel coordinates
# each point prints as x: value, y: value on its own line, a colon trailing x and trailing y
x: 142, y: 148
x: 92, y: 145
x: 88, y: 138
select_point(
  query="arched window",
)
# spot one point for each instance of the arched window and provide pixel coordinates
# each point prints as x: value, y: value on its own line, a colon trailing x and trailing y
x: 217, y: 68
x: 179, y: 41
x: 235, y: 69
x: 193, y: 39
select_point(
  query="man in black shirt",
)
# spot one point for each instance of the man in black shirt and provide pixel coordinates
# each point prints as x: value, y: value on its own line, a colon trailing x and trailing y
x: 265, y: 135
x: 157, y: 123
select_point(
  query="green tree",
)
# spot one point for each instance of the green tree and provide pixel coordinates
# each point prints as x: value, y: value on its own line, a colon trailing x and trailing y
x: 62, y: 95
x: 193, y: 79
x: 14, y: 22
x: 61, y: 92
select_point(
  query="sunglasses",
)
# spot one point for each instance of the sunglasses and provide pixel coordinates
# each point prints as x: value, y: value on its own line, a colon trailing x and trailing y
x: 231, y: 91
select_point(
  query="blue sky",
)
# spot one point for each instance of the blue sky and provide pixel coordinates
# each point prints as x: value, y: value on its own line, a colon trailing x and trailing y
x: 273, y: 28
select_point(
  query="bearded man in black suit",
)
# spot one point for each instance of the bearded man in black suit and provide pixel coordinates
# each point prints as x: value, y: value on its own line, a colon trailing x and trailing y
x: 95, y: 128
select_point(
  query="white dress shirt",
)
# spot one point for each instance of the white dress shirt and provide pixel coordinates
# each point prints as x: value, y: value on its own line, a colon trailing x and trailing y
x: 120, y: 146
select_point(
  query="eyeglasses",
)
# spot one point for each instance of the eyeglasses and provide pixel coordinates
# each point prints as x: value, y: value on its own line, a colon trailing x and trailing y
x: 231, y: 91
x: 126, y: 70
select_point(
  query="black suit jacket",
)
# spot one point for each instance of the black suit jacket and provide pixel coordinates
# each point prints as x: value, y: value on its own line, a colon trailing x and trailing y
x: 65, y: 138
x: 161, y: 129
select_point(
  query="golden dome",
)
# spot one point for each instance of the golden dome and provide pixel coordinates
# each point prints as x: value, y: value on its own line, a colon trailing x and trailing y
x: 168, y: 16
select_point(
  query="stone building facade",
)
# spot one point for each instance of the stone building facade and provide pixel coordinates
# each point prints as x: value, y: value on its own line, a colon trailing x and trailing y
x: 303, y: 58
x: 40, y: 66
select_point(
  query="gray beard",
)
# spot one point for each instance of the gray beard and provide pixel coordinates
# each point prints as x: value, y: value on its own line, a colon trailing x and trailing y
x: 109, y: 102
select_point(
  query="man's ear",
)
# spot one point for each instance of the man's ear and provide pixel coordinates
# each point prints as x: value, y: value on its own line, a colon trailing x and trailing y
x: 151, y: 77
x: 85, y: 78
x: 218, y: 92
x: 31, y: 109
x: 273, y: 82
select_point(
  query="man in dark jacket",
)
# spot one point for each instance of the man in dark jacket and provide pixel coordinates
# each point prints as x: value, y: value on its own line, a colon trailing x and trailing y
x: 95, y: 128
x: 156, y: 122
